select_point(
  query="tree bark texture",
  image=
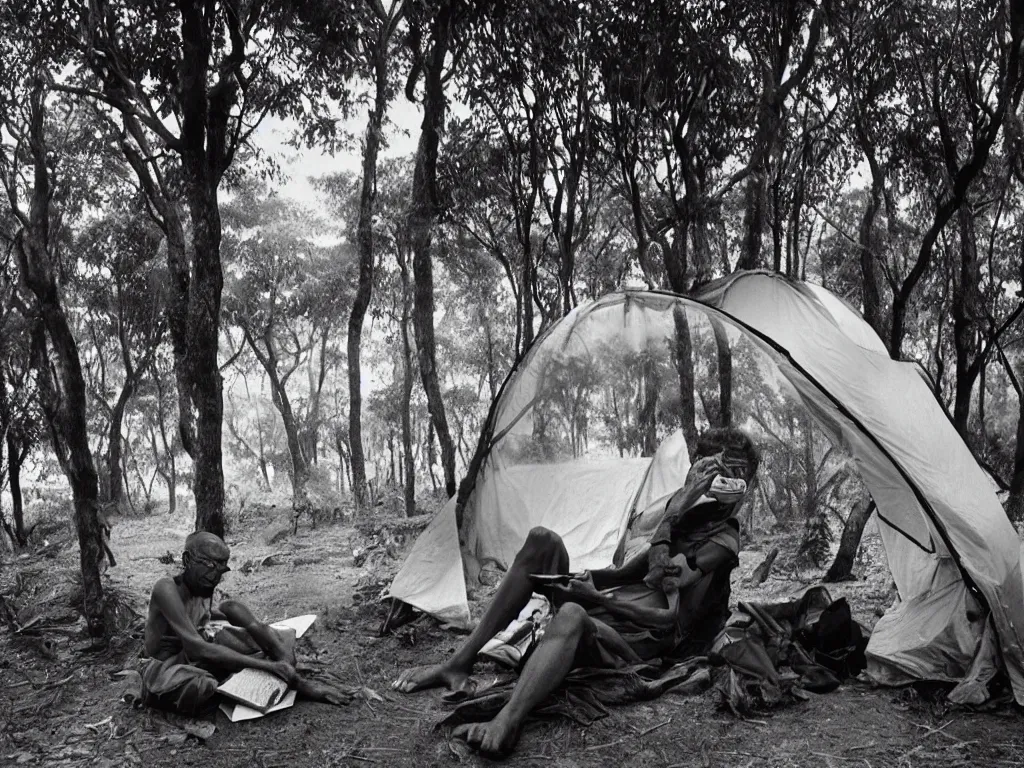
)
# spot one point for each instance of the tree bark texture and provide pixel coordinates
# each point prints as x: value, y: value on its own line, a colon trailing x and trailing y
x: 205, y: 112
x: 422, y: 217
x: 407, y: 382
x: 15, y: 458
x: 724, y: 374
x: 114, y: 444
x: 684, y: 369
x: 842, y: 567
x: 966, y: 326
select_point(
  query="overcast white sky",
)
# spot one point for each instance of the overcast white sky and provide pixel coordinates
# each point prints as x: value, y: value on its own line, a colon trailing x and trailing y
x: 300, y: 164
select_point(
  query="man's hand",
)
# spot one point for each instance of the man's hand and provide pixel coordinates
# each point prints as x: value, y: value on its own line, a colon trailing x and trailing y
x: 581, y: 585
x: 285, y: 671
x: 702, y: 472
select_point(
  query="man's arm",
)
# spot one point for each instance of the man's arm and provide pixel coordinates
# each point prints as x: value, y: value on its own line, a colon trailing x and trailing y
x: 583, y: 591
x: 628, y: 573
x: 167, y: 600
x: 707, y: 559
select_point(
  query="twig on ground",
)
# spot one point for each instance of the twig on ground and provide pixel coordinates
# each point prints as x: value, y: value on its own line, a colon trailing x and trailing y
x: 837, y: 757
x: 27, y: 677
x: 359, y: 757
x: 653, y: 728
x: 96, y: 726
x: 930, y: 730
x: 869, y: 745
x: 740, y: 754
x: 603, y: 746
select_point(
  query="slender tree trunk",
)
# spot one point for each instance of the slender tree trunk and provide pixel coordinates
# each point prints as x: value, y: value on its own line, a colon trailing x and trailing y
x: 15, y: 458
x: 115, y: 489
x: 526, y: 288
x: 724, y: 374
x: 1015, y: 505
x: 684, y: 368
x: 422, y: 217
x: 64, y: 401
x: 753, y: 218
x: 177, y: 325
x: 870, y: 295
x: 364, y: 290
x: 965, y: 308
x: 172, y: 487
x: 407, y: 382
x: 842, y: 567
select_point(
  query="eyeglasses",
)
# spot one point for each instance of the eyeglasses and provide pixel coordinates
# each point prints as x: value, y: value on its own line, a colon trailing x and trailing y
x: 220, y: 565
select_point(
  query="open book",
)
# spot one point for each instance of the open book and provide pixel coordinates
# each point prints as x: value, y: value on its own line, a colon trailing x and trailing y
x: 254, y: 688
x: 237, y: 710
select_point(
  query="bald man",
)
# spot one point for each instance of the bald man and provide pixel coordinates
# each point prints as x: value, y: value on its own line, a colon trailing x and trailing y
x: 188, y: 658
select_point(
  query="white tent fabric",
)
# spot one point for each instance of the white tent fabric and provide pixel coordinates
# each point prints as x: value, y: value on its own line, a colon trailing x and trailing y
x: 940, y: 517
x: 897, y: 415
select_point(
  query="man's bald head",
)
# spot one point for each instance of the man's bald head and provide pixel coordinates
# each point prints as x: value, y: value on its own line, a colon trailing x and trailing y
x: 205, y: 561
x: 206, y: 544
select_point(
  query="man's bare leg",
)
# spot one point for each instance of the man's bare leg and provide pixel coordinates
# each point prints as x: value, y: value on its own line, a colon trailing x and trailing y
x: 544, y: 671
x: 543, y: 552
x: 270, y: 641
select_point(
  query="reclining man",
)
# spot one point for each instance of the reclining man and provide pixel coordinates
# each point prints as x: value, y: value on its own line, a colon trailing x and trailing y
x: 670, y: 600
x: 188, y: 658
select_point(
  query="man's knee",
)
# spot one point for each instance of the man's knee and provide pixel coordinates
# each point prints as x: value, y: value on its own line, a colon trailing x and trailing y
x: 237, y: 613
x: 543, y: 544
x: 571, y: 619
x: 230, y: 606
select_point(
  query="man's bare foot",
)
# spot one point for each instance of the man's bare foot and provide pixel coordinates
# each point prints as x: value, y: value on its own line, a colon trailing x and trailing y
x: 317, y: 691
x: 498, y: 737
x: 431, y: 676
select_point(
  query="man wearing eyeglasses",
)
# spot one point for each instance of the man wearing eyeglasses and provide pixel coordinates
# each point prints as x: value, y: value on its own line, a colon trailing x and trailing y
x: 669, y: 600
x: 188, y: 657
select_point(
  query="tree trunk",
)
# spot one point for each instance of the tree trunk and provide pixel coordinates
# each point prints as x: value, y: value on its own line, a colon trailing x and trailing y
x: 64, y: 401
x: 115, y: 488
x: 965, y: 310
x: 870, y: 295
x: 684, y: 367
x: 753, y: 219
x: 172, y: 487
x: 177, y: 325
x: 842, y: 566
x: 724, y: 374
x: 1015, y: 505
x: 15, y: 457
x: 761, y: 572
x: 364, y: 290
x: 407, y: 382
x: 422, y: 217
x: 204, y: 325
x: 205, y: 114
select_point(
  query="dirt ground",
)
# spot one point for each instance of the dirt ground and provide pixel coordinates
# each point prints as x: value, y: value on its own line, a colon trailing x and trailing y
x: 61, y: 701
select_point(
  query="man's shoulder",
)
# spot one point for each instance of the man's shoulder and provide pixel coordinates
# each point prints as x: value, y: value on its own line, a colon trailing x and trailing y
x: 165, y: 588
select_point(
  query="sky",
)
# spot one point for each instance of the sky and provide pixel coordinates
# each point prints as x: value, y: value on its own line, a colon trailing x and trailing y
x: 300, y: 164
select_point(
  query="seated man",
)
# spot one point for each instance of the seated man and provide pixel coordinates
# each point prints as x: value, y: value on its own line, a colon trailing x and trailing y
x: 671, y: 599
x: 188, y: 659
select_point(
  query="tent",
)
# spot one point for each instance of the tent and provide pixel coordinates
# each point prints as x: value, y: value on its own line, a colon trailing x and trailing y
x: 577, y: 411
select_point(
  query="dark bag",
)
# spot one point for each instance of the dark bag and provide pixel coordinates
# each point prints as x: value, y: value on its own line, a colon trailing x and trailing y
x: 836, y: 641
